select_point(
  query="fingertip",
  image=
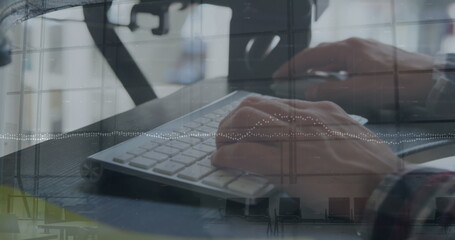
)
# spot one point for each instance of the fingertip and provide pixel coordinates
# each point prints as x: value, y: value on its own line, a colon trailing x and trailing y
x: 218, y: 157
x: 251, y: 100
x: 280, y: 73
x: 214, y: 158
x: 222, y: 140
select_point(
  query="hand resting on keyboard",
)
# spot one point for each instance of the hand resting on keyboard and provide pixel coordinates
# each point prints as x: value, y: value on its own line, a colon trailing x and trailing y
x: 307, y: 148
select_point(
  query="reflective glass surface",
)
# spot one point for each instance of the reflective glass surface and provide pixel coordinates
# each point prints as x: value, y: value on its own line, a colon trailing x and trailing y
x: 196, y: 119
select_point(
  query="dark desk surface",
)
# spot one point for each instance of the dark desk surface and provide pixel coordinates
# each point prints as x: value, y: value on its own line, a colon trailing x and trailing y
x: 50, y: 170
x: 128, y: 202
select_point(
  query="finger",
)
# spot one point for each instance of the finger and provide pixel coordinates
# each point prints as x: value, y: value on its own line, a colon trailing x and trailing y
x: 282, y: 107
x: 251, y: 101
x: 270, y: 108
x: 323, y: 55
x: 300, y: 113
x: 309, y: 106
x: 329, y: 68
x: 273, y: 107
x: 252, y: 111
x: 304, y: 73
x: 256, y: 119
x: 249, y: 124
x: 356, y: 94
x: 253, y: 157
x: 294, y: 115
x: 277, y: 120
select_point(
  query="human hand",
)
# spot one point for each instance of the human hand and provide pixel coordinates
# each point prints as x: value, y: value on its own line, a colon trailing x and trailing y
x: 379, y: 74
x: 308, y: 148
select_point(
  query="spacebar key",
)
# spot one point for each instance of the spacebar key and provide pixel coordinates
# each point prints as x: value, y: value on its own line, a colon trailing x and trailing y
x: 168, y: 168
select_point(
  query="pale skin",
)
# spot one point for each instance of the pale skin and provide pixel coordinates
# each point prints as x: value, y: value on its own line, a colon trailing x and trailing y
x: 315, y: 147
x: 379, y: 73
x: 330, y: 149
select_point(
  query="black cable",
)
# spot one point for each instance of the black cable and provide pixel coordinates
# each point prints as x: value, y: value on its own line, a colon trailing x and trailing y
x: 5, y: 50
x: 118, y: 58
x: 82, y: 21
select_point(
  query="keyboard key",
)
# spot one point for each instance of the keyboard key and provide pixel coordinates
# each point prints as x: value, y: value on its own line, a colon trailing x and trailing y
x: 219, y: 119
x: 142, y: 162
x: 220, y: 178
x: 183, y: 130
x: 137, y: 151
x: 236, y: 103
x: 178, y: 145
x: 213, y: 124
x: 228, y: 108
x: 155, y: 156
x: 182, y: 151
x: 175, y: 136
x: 168, y: 168
x: 207, y: 129
x: 205, y: 162
x: 257, y: 179
x: 359, y: 119
x: 149, y: 145
x: 192, y: 124
x: 167, y: 150
x: 204, y: 148
x: 220, y: 112
x: 190, y: 140
x: 187, y: 160
x: 194, y: 153
x: 202, y: 120
x: 198, y: 134
x: 210, y: 142
x: 124, y: 158
x: 159, y: 140
x: 195, y: 172
x: 212, y: 116
x: 246, y: 185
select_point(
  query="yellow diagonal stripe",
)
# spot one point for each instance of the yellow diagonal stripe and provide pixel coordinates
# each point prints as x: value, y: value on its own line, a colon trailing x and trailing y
x: 86, y: 225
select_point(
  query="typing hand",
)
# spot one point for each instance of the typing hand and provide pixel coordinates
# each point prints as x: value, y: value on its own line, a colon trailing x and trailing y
x: 305, y: 147
x: 376, y: 71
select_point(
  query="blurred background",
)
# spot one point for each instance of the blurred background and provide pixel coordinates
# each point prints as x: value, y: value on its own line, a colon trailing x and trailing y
x: 58, y: 80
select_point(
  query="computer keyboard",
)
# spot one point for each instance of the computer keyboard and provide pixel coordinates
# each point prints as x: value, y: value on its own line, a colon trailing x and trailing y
x: 178, y: 154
